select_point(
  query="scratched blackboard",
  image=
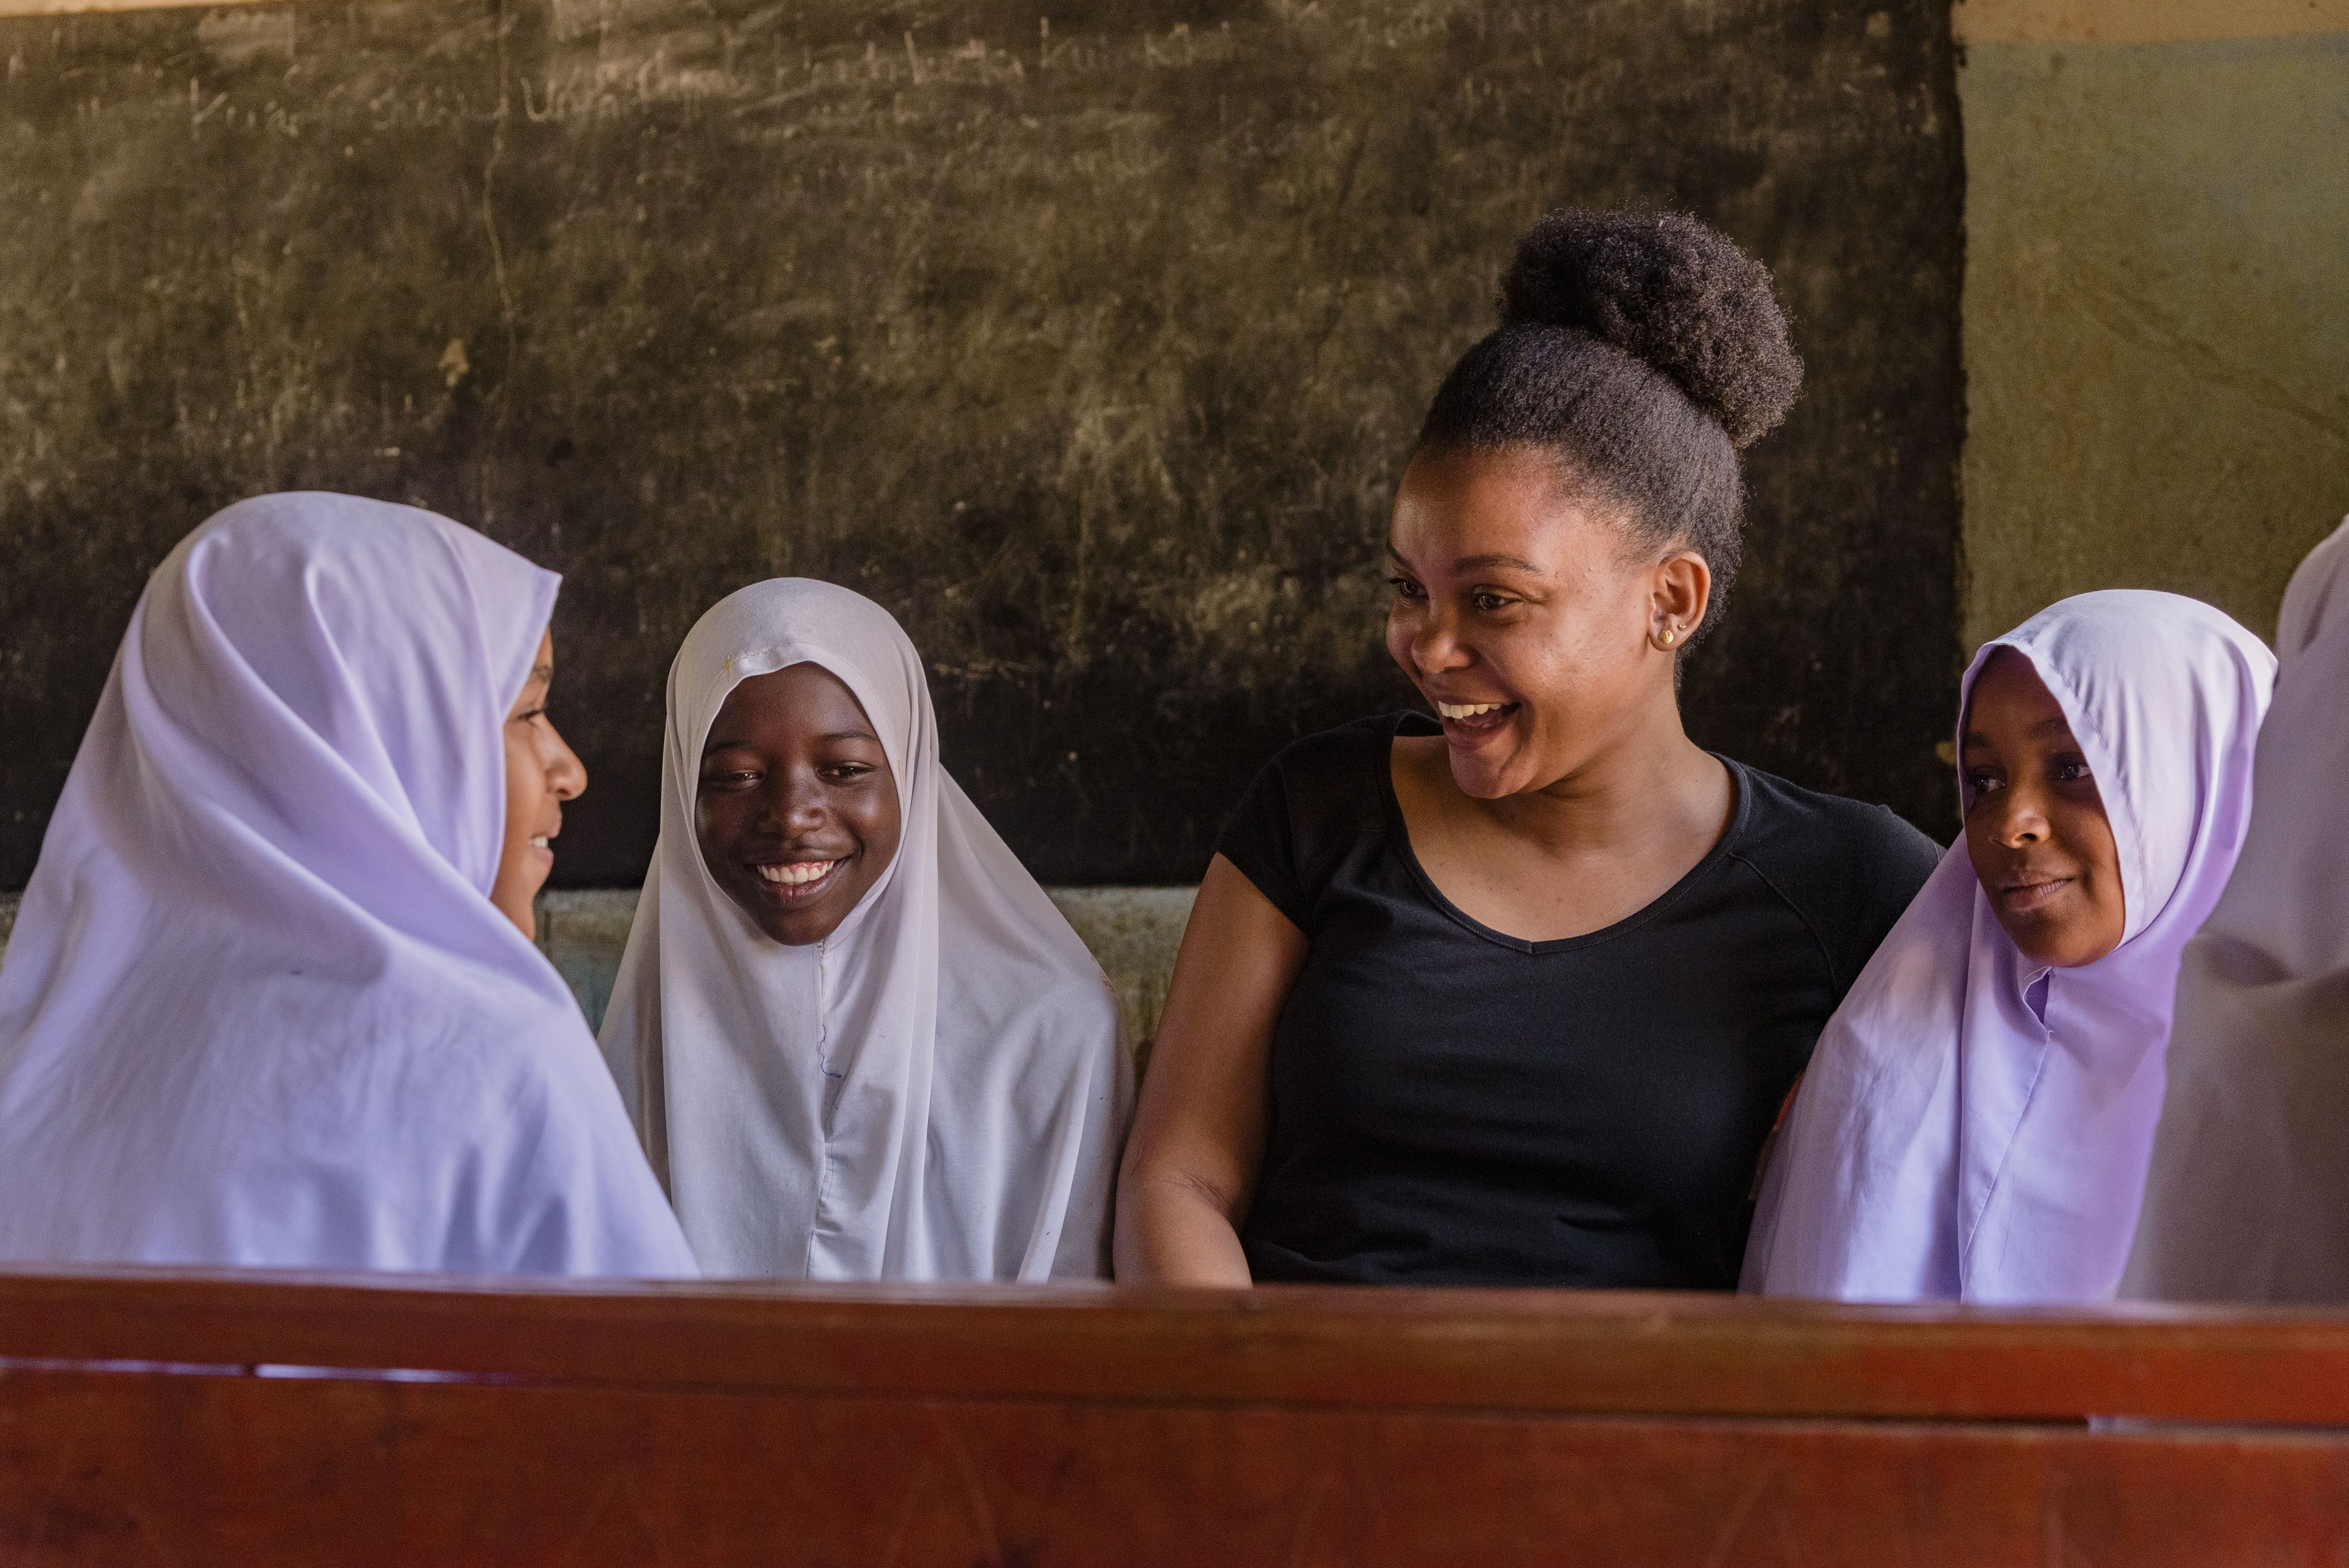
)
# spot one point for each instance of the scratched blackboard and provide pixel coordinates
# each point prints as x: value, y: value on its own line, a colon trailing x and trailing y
x: 1090, y: 340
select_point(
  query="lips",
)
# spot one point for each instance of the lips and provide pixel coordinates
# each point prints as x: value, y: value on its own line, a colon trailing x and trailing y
x: 796, y: 881
x: 1469, y: 720
x: 2031, y: 890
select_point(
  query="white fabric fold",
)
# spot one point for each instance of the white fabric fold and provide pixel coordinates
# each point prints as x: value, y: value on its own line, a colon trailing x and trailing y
x: 2248, y: 1197
x: 1976, y: 1126
x: 937, y: 1092
x: 257, y: 1009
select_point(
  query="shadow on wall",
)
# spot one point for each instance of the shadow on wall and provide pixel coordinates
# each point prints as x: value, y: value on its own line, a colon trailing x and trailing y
x: 1133, y: 931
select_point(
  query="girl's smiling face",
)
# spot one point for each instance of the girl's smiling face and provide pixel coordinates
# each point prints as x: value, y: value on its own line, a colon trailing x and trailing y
x: 542, y: 772
x: 797, y: 810
x: 2035, y: 824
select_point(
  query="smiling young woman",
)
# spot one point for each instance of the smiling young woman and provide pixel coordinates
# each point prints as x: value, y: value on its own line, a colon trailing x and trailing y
x: 1511, y: 996
x: 797, y: 816
x: 860, y: 1041
x: 1979, y: 1116
x: 2036, y: 833
x: 542, y: 772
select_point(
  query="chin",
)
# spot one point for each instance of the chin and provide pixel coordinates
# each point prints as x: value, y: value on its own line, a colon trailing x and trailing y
x: 1482, y: 786
x: 517, y: 889
x: 799, y: 928
x: 1482, y: 780
x: 2051, y: 944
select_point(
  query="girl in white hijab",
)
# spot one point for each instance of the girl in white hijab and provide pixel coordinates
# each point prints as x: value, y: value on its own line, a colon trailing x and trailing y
x: 1976, y: 1120
x: 2249, y: 1195
x: 865, y: 1045
x: 259, y: 1008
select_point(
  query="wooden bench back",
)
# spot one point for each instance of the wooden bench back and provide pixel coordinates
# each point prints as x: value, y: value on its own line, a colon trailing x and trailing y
x: 162, y: 1417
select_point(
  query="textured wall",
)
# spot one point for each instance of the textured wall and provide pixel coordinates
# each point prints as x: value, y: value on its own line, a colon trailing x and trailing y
x: 1089, y: 343
x: 2157, y: 254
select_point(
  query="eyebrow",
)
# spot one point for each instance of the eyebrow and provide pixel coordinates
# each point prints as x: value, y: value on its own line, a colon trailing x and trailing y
x: 716, y: 743
x: 1477, y: 562
x: 2059, y: 725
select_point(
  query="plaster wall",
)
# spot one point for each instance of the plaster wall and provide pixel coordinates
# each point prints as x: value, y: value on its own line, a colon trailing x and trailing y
x: 2156, y: 353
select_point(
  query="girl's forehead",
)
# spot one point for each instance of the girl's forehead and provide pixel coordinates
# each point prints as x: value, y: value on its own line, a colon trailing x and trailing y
x: 801, y: 701
x: 2009, y: 692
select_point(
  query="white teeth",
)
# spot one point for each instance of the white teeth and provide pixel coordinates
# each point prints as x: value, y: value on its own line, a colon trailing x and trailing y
x: 1468, y: 709
x: 539, y: 842
x: 794, y: 875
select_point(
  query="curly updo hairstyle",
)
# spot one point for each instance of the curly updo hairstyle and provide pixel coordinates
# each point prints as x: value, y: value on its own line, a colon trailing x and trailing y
x: 1645, y: 350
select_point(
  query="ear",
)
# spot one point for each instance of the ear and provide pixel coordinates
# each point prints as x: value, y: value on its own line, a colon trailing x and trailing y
x: 1680, y: 587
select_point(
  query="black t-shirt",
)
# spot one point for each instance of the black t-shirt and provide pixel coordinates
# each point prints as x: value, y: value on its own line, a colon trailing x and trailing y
x: 1452, y: 1106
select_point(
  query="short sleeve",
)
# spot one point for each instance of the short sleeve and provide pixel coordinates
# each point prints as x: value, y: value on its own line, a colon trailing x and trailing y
x: 1260, y: 839
x: 1848, y: 869
x: 1309, y: 809
x: 1892, y: 863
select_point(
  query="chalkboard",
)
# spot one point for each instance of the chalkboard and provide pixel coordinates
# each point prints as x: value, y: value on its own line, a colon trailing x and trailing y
x: 1090, y: 339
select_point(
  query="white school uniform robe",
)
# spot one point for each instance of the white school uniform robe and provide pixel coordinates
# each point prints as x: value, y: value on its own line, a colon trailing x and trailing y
x: 2248, y: 1198
x: 937, y: 1092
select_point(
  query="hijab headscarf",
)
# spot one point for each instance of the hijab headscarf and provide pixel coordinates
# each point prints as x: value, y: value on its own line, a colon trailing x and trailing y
x: 258, y: 1009
x: 1974, y: 1125
x: 935, y: 1091
x: 2248, y: 1198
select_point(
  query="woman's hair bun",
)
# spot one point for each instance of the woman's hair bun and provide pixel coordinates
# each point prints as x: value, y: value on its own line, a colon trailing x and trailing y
x: 1669, y: 289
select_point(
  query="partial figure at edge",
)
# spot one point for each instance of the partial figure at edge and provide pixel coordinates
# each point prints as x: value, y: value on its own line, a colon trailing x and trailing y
x: 2248, y: 1198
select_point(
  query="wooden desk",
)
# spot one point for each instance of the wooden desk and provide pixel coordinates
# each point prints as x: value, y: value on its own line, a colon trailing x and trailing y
x: 1019, y: 1428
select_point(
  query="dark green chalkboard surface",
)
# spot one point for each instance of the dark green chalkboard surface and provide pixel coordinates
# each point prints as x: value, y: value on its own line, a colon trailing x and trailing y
x: 1090, y: 339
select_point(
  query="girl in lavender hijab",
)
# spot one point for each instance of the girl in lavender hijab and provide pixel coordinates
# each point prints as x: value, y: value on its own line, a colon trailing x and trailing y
x: 270, y: 1000
x: 1977, y: 1120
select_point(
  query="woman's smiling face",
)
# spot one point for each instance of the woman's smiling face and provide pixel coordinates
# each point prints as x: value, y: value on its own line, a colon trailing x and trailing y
x: 797, y: 810
x: 1525, y: 616
x: 2035, y: 824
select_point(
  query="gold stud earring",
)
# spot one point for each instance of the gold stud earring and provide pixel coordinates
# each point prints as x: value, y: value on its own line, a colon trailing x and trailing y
x: 1671, y: 635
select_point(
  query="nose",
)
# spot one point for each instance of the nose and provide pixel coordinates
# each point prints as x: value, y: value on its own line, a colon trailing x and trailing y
x: 794, y: 803
x: 566, y: 776
x: 1436, y: 643
x: 2020, y: 819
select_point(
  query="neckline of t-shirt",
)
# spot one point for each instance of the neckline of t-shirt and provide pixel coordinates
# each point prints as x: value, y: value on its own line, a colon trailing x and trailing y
x: 1400, y: 830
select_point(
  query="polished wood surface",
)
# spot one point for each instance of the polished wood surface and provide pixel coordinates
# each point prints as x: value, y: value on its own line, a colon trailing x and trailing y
x: 721, y: 1424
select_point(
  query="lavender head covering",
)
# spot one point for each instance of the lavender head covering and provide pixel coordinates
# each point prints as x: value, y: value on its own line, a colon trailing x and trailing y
x: 1974, y: 1125
x: 258, y: 1009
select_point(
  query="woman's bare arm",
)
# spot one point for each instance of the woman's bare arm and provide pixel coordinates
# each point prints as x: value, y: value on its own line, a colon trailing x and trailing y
x: 1198, y: 1145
